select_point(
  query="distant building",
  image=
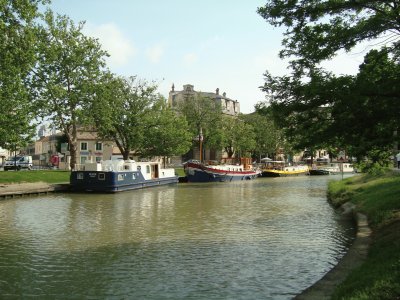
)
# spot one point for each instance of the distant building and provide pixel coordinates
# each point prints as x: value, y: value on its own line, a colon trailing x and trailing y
x: 229, y: 106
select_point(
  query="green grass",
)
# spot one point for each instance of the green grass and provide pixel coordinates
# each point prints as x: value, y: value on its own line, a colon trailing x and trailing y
x: 49, y: 176
x: 180, y: 172
x: 379, y: 198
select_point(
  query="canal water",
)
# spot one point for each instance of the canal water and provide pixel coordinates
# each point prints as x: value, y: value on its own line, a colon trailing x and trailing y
x: 268, y: 238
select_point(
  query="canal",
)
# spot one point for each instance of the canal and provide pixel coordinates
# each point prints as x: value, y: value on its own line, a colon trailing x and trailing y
x: 268, y: 238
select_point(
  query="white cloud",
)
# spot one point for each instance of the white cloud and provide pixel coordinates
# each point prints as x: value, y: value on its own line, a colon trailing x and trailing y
x: 119, y: 47
x: 190, y: 58
x: 155, y: 53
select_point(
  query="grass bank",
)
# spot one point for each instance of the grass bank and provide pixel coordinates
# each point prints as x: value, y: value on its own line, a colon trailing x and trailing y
x: 378, y: 197
x: 48, y: 176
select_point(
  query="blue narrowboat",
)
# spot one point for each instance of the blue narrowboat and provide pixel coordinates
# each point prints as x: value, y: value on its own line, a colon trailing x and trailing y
x: 120, y: 175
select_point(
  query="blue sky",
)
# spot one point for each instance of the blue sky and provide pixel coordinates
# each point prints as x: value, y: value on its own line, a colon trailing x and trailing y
x: 211, y: 44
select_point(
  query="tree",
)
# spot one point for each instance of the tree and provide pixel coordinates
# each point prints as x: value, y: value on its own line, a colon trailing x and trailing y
x: 203, y: 115
x: 349, y: 112
x: 269, y: 139
x: 122, y: 112
x: 237, y: 136
x: 17, y: 57
x: 69, y: 67
x: 318, y: 108
x: 168, y: 134
x: 317, y: 30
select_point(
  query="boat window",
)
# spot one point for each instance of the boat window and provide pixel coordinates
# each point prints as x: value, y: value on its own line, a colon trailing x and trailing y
x: 133, y: 176
x: 120, y: 177
x: 79, y: 176
x: 148, y: 169
x: 102, y: 176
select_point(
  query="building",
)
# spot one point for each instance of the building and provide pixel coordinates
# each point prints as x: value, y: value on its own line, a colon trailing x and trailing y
x: 50, y: 151
x: 229, y: 107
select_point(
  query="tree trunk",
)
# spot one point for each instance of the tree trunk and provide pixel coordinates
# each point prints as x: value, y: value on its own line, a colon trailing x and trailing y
x: 125, y: 154
x: 73, y: 146
x: 72, y: 152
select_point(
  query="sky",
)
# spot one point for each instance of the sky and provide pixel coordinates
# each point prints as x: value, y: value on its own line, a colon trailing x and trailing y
x: 210, y: 44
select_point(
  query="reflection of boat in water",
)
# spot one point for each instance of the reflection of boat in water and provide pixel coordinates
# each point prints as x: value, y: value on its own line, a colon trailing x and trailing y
x: 120, y: 175
x: 278, y: 168
x: 318, y: 172
x: 200, y: 172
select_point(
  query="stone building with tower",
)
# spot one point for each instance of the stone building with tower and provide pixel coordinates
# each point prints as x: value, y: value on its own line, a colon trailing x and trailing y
x: 229, y: 107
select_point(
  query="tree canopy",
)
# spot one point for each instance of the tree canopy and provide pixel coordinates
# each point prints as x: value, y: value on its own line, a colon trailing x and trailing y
x: 167, y: 132
x: 17, y: 58
x: 317, y: 30
x: 202, y: 114
x: 268, y: 137
x: 319, y: 109
x: 69, y: 66
x: 129, y: 112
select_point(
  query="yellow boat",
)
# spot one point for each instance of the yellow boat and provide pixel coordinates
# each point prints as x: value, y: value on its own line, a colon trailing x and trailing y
x: 278, y: 168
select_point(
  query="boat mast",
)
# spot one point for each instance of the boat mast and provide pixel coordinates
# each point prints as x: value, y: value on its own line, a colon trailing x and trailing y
x: 201, y: 144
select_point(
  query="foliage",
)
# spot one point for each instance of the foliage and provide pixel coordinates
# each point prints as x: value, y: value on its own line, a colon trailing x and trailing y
x: 205, y: 115
x: 350, y: 112
x: 123, y: 112
x: 317, y: 30
x: 304, y: 110
x: 355, y: 113
x: 69, y: 66
x: 268, y: 138
x: 377, y: 161
x: 17, y: 57
x: 237, y: 136
x: 168, y: 133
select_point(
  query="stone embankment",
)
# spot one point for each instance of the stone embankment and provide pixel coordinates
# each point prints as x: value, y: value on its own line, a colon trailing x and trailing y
x: 357, y: 254
x: 30, y: 189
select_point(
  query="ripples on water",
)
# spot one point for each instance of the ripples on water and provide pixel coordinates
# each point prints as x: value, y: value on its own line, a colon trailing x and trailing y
x: 266, y: 238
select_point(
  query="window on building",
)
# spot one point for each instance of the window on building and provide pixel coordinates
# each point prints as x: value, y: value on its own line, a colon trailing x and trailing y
x: 84, y: 146
x: 83, y: 159
x: 99, y: 146
x: 98, y: 159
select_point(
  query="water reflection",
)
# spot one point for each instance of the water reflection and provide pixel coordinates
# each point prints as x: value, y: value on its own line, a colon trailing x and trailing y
x: 267, y: 238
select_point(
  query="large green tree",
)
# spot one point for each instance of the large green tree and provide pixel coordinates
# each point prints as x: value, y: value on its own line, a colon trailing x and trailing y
x: 167, y: 133
x: 123, y: 112
x: 69, y: 67
x: 17, y: 57
x: 204, y: 117
x: 356, y: 113
x: 237, y: 136
x: 268, y: 137
x: 317, y: 108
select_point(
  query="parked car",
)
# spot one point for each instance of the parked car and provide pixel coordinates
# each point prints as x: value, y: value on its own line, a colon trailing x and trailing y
x: 18, y: 162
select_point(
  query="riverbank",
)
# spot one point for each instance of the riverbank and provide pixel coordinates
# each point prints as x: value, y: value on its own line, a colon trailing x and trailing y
x: 377, y: 197
x: 16, y: 190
